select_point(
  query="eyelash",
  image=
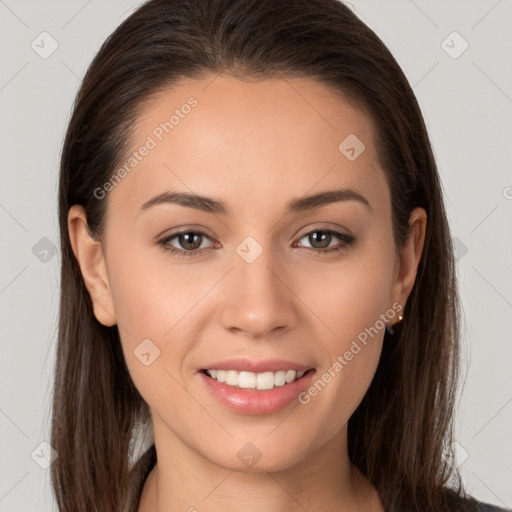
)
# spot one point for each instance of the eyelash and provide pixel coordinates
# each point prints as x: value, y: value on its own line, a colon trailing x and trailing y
x: 346, y: 239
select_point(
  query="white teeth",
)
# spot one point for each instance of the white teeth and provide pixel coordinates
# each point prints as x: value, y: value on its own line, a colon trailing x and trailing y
x: 280, y: 378
x: 250, y: 380
x: 246, y: 380
x: 232, y: 377
x: 266, y: 380
x: 290, y: 375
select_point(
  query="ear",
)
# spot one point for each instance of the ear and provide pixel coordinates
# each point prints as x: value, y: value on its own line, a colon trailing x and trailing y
x: 90, y: 257
x: 409, y: 257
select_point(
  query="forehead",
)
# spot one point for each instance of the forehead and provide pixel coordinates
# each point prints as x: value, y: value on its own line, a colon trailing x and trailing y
x: 224, y: 137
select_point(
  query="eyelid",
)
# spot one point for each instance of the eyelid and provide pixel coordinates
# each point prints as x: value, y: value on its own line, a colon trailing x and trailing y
x: 185, y: 229
x: 325, y: 226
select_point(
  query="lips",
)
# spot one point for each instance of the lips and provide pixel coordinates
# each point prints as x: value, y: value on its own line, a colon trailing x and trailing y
x: 268, y: 397
x: 255, y: 401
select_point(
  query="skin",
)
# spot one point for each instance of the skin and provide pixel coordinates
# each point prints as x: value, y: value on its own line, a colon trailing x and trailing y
x: 255, y: 146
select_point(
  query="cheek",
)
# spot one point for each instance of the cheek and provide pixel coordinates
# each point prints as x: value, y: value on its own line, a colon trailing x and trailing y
x: 151, y: 293
x: 351, y: 301
x: 349, y: 297
x: 160, y: 301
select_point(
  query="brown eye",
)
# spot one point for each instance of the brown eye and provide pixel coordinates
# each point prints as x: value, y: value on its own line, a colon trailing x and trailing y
x: 188, y: 243
x: 320, y: 240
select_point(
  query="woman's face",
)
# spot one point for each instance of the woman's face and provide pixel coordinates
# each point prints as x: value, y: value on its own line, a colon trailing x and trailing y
x: 259, y: 276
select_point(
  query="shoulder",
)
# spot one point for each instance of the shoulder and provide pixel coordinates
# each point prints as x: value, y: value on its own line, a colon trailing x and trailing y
x: 486, y: 507
x: 479, y: 506
x: 459, y: 500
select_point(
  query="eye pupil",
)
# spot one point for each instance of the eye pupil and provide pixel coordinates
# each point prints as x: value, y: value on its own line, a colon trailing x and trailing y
x: 325, y: 239
x: 190, y: 240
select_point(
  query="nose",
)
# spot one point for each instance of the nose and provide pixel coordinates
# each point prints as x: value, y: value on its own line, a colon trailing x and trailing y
x: 259, y: 298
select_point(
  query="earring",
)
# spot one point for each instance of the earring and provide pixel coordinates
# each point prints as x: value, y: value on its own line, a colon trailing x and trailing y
x: 395, y: 328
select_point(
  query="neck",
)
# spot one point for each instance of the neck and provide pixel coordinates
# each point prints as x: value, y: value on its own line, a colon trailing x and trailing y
x: 182, y: 480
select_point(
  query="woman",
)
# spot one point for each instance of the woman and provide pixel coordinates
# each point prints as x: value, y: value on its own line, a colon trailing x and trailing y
x: 257, y: 271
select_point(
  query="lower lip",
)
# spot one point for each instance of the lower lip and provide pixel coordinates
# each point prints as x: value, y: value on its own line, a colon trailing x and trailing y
x: 253, y: 401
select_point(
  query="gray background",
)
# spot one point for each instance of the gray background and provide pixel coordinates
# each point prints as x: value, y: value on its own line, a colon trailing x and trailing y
x: 467, y: 103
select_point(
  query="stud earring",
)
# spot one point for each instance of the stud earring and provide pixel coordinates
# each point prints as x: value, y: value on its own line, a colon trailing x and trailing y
x: 395, y: 328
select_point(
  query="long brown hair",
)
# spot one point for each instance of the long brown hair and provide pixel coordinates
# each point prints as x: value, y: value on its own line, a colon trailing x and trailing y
x: 401, y: 434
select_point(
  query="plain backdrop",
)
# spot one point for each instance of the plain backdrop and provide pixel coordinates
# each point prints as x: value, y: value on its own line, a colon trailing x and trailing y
x: 456, y: 55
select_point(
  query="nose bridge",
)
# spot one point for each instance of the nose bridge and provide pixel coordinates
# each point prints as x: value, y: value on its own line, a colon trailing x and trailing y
x: 257, y: 299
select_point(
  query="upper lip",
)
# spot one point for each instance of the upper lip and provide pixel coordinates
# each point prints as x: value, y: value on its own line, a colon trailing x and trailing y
x: 242, y: 364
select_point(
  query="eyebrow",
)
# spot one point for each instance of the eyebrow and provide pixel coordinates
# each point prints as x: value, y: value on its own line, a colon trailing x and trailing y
x: 210, y: 205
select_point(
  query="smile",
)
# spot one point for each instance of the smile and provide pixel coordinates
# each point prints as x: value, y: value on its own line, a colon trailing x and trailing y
x: 264, y: 393
x: 251, y: 380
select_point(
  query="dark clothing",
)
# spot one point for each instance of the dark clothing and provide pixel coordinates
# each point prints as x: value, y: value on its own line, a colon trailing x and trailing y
x: 473, y: 505
x: 486, y: 507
